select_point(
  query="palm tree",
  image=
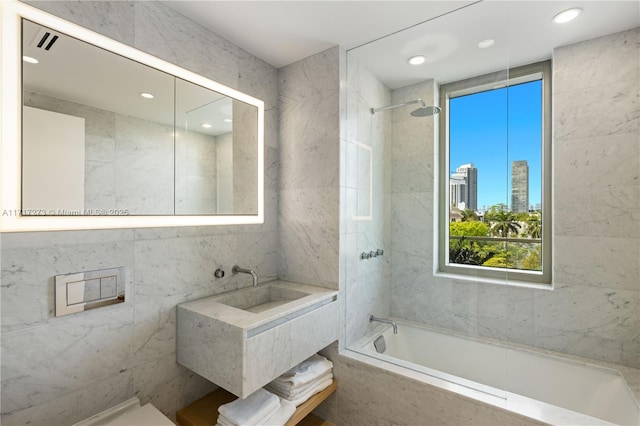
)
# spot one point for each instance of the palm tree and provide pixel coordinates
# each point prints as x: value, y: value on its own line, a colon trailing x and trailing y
x: 469, y: 215
x: 534, y: 226
x: 504, y: 223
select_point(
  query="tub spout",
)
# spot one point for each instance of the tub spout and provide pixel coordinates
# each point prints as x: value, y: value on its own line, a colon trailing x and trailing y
x: 236, y: 269
x: 386, y: 321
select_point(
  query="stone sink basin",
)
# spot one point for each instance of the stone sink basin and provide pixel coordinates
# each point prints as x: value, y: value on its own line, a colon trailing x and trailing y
x: 243, y: 339
x: 261, y: 298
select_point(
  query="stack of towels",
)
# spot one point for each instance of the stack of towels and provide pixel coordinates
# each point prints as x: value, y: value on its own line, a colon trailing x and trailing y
x: 303, y: 381
x: 261, y: 408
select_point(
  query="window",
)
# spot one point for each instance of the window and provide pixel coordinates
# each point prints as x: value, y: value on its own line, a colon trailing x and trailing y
x: 495, y: 175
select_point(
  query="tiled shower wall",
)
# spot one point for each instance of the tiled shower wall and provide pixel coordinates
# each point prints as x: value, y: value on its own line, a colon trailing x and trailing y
x: 594, y: 308
x: 310, y: 169
x: 363, y: 229
x: 60, y: 370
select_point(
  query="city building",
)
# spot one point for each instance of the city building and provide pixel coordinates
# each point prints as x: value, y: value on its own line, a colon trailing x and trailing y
x: 519, y: 186
x: 463, y: 187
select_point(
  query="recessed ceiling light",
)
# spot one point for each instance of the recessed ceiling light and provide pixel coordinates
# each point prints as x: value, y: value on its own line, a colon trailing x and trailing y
x: 30, y: 59
x: 227, y: 120
x: 417, y: 60
x: 147, y: 95
x: 486, y: 43
x: 206, y: 125
x: 567, y: 15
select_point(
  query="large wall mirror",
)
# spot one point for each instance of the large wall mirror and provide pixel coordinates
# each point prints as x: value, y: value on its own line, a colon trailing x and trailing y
x: 106, y: 136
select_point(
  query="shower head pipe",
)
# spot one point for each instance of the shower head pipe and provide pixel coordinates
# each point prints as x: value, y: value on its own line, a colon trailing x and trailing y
x: 417, y: 101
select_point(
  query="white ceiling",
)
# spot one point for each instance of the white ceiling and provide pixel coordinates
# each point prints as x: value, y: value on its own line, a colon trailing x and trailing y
x: 79, y: 72
x: 282, y: 32
x: 447, y: 32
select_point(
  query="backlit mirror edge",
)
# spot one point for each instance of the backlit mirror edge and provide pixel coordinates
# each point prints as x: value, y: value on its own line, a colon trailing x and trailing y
x: 12, y: 12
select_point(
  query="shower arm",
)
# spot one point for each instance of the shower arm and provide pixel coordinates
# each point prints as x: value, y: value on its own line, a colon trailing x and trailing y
x: 417, y: 101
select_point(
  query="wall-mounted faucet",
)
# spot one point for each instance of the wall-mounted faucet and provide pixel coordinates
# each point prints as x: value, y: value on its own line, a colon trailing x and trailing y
x: 386, y: 321
x: 236, y: 269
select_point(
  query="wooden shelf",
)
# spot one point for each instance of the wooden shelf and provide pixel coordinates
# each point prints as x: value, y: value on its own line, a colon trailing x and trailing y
x: 204, y: 412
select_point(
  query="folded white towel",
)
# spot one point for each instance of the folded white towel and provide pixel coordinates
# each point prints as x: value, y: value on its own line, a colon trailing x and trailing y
x: 289, y: 390
x: 250, y: 411
x: 282, y: 416
x: 307, y: 371
x: 279, y: 418
x: 299, y: 399
x: 313, y: 389
x: 222, y: 421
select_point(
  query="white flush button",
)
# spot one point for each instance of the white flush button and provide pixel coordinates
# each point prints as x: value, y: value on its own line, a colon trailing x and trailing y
x: 108, y: 287
x: 75, y: 293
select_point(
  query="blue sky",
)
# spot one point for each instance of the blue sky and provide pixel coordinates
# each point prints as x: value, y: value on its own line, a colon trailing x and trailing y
x: 493, y: 128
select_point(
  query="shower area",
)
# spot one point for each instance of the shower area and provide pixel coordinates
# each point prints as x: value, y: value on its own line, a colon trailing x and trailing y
x: 499, y: 340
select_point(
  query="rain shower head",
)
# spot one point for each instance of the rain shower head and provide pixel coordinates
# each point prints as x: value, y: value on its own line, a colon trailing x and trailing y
x: 424, y: 111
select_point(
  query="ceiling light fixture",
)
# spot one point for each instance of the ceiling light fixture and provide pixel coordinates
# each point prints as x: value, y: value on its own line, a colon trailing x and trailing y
x: 486, y: 43
x: 567, y: 15
x: 206, y: 125
x: 417, y: 60
x: 147, y: 95
x: 30, y: 60
x: 227, y: 120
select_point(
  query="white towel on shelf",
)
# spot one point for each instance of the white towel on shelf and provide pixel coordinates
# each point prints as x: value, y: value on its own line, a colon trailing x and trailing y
x: 282, y: 416
x: 222, y: 421
x: 289, y: 390
x: 307, y: 371
x: 299, y: 399
x: 279, y: 418
x: 250, y: 411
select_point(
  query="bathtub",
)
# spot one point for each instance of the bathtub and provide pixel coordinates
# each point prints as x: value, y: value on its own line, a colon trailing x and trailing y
x: 548, y: 388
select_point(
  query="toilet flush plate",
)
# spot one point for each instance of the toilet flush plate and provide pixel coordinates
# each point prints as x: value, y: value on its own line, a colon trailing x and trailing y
x: 82, y: 291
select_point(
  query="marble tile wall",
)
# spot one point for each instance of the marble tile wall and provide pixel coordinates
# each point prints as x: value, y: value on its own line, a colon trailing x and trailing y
x: 196, y: 173
x: 224, y: 170
x: 245, y: 158
x: 366, y: 282
x: 60, y: 370
x: 310, y: 169
x: 594, y: 308
x: 129, y: 162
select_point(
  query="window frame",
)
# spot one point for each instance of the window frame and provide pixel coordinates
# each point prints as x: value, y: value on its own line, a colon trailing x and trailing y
x: 507, y: 77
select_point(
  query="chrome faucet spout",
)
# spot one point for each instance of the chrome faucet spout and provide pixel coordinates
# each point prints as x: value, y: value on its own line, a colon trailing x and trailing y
x: 386, y: 321
x: 236, y: 269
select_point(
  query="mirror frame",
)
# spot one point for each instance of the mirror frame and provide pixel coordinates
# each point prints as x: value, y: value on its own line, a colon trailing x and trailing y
x: 12, y: 12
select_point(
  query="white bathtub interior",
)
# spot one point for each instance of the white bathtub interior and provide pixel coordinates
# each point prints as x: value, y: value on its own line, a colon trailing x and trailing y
x: 542, y: 386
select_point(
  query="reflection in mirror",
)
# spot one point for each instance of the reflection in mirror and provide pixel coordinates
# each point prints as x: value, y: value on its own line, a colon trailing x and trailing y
x: 216, y: 152
x: 364, y: 181
x: 106, y: 135
x: 127, y: 140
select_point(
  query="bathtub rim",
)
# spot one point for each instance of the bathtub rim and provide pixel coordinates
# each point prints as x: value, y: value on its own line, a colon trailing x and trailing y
x: 630, y: 375
x: 497, y: 397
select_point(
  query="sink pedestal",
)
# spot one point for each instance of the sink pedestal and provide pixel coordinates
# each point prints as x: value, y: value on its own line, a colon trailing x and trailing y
x: 244, y: 339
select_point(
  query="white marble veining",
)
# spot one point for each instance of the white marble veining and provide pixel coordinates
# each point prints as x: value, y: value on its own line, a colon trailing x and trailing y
x: 131, y: 164
x: 27, y: 276
x: 63, y: 357
x: 128, y: 349
x: 370, y: 394
x: 243, y: 339
x: 309, y: 138
x: 161, y: 32
x: 363, y: 229
x: 76, y: 405
x: 593, y: 308
x: 615, y: 55
x: 309, y: 170
x: 111, y: 18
